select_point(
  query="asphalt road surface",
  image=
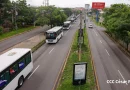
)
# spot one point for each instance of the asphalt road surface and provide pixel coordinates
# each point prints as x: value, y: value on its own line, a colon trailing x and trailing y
x: 110, y: 62
x: 48, y: 61
x: 17, y: 39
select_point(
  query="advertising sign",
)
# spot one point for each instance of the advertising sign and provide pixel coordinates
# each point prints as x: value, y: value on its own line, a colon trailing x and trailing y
x: 98, y: 5
x: 79, y: 73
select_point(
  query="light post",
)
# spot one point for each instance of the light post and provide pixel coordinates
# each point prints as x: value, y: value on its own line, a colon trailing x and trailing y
x: 15, y: 14
x: 34, y: 18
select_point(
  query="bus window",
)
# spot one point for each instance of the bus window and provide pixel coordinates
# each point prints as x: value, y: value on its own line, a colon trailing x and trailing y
x: 7, y: 76
x: 51, y: 35
x: 28, y: 59
x: 14, y: 71
x: 22, y: 64
x: 4, y: 79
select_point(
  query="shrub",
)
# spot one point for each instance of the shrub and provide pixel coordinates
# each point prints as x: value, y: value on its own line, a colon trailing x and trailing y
x: 1, y: 29
x: 7, y: 24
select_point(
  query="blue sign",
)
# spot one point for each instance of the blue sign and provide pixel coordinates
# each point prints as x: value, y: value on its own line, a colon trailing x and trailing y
x: 3, y: 82
x: 21, y: 65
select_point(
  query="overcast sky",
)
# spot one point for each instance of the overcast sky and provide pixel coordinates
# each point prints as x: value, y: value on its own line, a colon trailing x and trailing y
x: 75, y: 3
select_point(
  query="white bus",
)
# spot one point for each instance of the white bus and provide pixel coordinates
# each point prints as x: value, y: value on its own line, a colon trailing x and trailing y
x: 54, y: 34
x: 15, y: 65
x: 67, y: 25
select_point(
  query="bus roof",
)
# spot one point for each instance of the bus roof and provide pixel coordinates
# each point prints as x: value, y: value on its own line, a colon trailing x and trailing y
x: 54, y: 29
x: 11, y: 56
x: 67, y: 22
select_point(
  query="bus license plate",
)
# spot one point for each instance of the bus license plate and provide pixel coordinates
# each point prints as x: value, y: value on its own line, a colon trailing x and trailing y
x: 51, y: 40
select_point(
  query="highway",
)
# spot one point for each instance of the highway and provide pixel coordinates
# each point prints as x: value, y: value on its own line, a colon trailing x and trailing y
x: 48, y: 61
x: 5, y: 44
x: 110, y: 62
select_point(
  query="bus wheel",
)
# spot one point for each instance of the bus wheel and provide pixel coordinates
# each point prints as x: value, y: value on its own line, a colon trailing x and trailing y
x: 21, y: 81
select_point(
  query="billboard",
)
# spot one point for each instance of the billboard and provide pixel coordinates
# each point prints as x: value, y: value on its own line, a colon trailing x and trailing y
x: 79, y: 73
x: 98, y: 5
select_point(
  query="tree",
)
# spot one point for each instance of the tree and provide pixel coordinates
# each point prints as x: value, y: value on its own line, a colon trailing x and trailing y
x: 68, y: 11
x: 117, y: 21
x: 1, y: 30
x: 42, y: 21
x: 4, y: 10
x: 53, y: 16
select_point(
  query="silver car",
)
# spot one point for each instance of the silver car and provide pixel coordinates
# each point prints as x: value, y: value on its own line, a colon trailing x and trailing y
x: 90, y: 26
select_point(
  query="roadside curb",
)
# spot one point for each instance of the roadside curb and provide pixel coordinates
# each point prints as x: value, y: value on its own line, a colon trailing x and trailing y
x: 36, y: 47
x: 92, y: 62
x: 17, y: 34
x: 58, y: 79
x: 119, y: 45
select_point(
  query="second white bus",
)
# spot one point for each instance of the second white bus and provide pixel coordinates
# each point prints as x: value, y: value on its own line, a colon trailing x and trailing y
x: 54, y: 34
x: 67, y: 25
x: 15, y: 65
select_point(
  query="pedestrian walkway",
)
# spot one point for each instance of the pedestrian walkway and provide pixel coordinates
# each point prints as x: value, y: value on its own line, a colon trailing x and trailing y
x: 29, y: 43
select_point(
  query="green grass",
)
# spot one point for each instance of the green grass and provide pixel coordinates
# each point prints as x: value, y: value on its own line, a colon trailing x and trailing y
x: 67, y: 76
x: 14, y: 32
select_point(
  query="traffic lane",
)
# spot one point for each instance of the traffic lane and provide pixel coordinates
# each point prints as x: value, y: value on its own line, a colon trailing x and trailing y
x: 45, y: 46
x: 102, y: 61
x: 58, y: 56
x: 115, y: 58
x: 17, y: 39
x: 42, y: 50
x: 45, y: 76
x: 111, y: 67
x: 120, y: 60
x: 100, y: 71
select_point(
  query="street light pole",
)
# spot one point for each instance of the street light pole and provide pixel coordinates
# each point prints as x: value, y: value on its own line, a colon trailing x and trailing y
x: 80, y: 37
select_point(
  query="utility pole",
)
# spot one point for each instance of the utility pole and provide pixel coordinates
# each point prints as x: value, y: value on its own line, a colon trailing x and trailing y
x: 16, y: 13
x: 46, y: 2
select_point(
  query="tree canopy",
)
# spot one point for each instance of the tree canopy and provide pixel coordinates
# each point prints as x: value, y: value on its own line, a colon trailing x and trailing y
x: 117, y: 21
x: 50, y: 15
x: 19, y: 13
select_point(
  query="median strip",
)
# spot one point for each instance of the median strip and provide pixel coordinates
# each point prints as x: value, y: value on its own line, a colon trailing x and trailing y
x: 67, y: 76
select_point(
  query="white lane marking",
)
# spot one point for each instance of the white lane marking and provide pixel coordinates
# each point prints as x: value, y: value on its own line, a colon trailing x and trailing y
x: 66, y: 32
x: 95, y: 33
x: 122, y: 76
x: 107, y: 52
x: 34, y: 71
x: 100, y: 41
x: 51, y: 50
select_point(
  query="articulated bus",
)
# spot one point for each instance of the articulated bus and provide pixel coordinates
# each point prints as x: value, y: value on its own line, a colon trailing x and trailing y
x: 15, y: 65
x: 54, y: 34
x: 67, y: 25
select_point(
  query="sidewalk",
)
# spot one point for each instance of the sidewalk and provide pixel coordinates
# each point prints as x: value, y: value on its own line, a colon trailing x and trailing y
x: 29, y: 43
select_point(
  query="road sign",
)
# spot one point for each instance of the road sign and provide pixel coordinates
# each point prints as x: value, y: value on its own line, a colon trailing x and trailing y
x: 79, y: 73
x: 98, y: 5
x: 87, y: 6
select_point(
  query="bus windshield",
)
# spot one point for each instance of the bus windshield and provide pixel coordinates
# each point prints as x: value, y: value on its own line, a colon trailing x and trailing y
x: 50, y: 35
x: 66, y: 24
